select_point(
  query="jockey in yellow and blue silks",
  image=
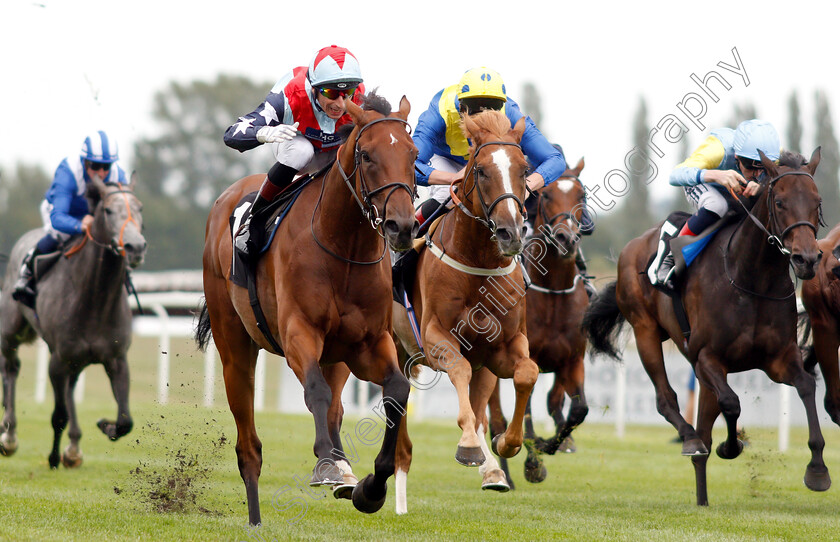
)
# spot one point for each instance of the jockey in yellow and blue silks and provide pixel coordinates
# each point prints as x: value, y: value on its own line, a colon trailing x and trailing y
x: 727, y: 159
x: 65, y: 210
x: 443, y: 148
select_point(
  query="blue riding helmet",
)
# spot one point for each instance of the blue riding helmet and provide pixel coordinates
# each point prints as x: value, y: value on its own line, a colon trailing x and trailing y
x: 754, y: 135
x: 98, y: 147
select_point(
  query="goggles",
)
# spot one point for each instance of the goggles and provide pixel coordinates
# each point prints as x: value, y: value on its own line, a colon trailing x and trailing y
x: 96, y: 166
x: 335, y: 93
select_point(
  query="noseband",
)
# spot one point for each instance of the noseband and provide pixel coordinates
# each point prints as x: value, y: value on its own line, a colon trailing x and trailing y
x: 487, y: 210
x: 549, y: 221
x: 369, y: 210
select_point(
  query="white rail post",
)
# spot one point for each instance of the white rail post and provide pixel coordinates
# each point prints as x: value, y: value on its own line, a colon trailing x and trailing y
x: 259, y: 382
x: 163, y: 356
x: 620, y: 398
x: 42, y: 364
x: 209, y: 373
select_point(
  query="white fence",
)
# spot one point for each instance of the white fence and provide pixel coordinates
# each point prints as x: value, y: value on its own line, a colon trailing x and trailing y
x: 616, y: 393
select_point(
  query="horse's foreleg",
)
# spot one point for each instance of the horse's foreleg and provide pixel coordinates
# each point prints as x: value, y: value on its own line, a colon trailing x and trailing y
x: 535, y: 471
x: 525, y: 375
x: 577, y: 410
x: 10, y: 368
x: 72, y: 455
x: 650, y: 352
x: 826, y: 343
x: 710, y: 373
x: 497, y: 425
x: 336, y: 376
x: 707, y: 413
x: 118, y: 374
x: 481, y: 388
x: 60, y: 383
x: 792, y: 372
x: 402, y: 464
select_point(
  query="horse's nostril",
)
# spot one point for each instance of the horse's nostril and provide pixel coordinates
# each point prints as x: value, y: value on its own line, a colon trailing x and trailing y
x: 798, y: 259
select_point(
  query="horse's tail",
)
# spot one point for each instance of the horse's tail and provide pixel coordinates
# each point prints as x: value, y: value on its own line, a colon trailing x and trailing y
x: 202, y: 327
x: 603, y: 322
x: 805, y: 342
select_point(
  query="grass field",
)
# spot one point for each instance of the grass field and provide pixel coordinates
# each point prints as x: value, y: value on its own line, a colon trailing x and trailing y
x: 175, y: 478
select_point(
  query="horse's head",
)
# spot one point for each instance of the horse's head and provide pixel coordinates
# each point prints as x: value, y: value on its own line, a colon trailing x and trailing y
x: 494, y: 182
x: 559, y: 211
x: 793, y: 204
x: 118, y: 221
x: 382, y: 157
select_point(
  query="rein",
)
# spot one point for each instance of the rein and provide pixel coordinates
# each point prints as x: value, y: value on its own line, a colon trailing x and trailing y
x: 366, y: 206
x: 486, y: 221
x: 777, y: 241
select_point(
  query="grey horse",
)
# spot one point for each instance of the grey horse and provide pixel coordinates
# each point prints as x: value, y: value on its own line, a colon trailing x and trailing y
x: 82, y: 312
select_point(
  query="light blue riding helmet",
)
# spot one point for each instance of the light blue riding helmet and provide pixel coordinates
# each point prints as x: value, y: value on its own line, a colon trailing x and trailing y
x: 754, y: 135
x: 98, y: 147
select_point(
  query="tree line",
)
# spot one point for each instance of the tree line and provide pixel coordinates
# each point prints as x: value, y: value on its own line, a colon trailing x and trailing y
x: 186, y: 166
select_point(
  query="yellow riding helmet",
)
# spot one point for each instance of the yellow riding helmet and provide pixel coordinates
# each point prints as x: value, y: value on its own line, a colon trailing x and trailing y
x: 482, y: 83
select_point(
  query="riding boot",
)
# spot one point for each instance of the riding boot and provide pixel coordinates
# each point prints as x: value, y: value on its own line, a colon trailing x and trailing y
x: 426, y: 210
x: 665, y: 273
x: 580, y: 262
x: 249, y: 238
x: 24, y: 291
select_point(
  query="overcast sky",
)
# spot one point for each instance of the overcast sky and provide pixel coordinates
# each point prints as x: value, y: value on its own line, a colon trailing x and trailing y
x: 72, y: 66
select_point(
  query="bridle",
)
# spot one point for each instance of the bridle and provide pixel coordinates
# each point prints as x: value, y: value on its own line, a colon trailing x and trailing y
x: 487, y: 210
x: 117, y: 246
x: 550, y: 221
x: 365, y: 203
x: 369, y: 210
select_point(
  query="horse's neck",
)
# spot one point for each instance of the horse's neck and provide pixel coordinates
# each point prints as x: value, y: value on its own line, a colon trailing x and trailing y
x: 339, y: 220
x: 469, y: 241
x: 97, y: 275
x: 549, y: 267
x: 751, y: 259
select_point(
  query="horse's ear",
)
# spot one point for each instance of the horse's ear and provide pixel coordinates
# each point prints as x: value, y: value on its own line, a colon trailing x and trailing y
x: 579, y: 166
x: 469, y: 126
x: 519, y: 129
x: 354, y: 111
x: 814, y: 161
x: 405, y: 108
x: 769, y: 165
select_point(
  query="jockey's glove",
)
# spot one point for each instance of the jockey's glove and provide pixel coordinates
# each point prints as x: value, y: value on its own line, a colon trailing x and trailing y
x: 276, y: 134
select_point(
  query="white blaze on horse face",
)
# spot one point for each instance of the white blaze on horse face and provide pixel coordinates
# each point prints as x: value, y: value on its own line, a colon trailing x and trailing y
x: 393, y: 139
x: 565, y: 186
x: 500, y: 158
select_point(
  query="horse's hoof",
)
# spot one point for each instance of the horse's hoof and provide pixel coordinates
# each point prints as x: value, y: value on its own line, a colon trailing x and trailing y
x: 365, y: 503
x: 469, y: 457
x: 495, y: 446
x: 71, y: 461
x: 816, y: 480
x: 535, y: 471
x: 326, y: 473
x: 495, y: 480
x: 343, y: 491
x: 694, y: 446
x: 543, y: 446
x: 724, y: 452
x: 8, y: 445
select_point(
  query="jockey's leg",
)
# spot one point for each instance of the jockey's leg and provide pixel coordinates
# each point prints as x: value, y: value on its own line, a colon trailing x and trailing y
x: 25, y: 286
x: 249, y: 237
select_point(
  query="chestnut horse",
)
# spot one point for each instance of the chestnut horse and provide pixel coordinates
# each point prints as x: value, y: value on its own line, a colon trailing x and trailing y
x: 821, y: 298
x: 556, y: 301
x: 741, y: 309
x: 468, y: 294
x: 325, y: 288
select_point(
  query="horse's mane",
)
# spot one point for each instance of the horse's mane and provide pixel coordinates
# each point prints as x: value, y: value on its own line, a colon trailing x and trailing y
x: 792, y: 159
x: 491, y: 121
x: 374, y: 102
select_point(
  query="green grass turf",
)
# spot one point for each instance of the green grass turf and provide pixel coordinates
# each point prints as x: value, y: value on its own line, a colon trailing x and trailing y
x: 175, y: 478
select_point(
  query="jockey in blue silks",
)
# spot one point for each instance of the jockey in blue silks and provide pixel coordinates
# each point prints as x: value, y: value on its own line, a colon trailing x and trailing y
x: 64, y: 210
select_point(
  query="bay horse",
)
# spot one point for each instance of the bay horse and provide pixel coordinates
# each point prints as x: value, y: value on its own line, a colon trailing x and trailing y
x: 556, y: 302
x: 82, y: 313
x: 468, y: 294
x: 821, y: 299
x: 325, y: 288
x: 740, y: 306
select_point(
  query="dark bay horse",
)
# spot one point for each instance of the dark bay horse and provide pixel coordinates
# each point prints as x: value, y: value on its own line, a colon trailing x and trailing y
x: 741, y: 308
x: 325, y: 289
x: 821, y: 298
x: 81, y: 312
x: 469, y: 293
x: 556, y: 301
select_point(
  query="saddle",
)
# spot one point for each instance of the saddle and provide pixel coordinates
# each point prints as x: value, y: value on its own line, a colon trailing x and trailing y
x: 43, y: 263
